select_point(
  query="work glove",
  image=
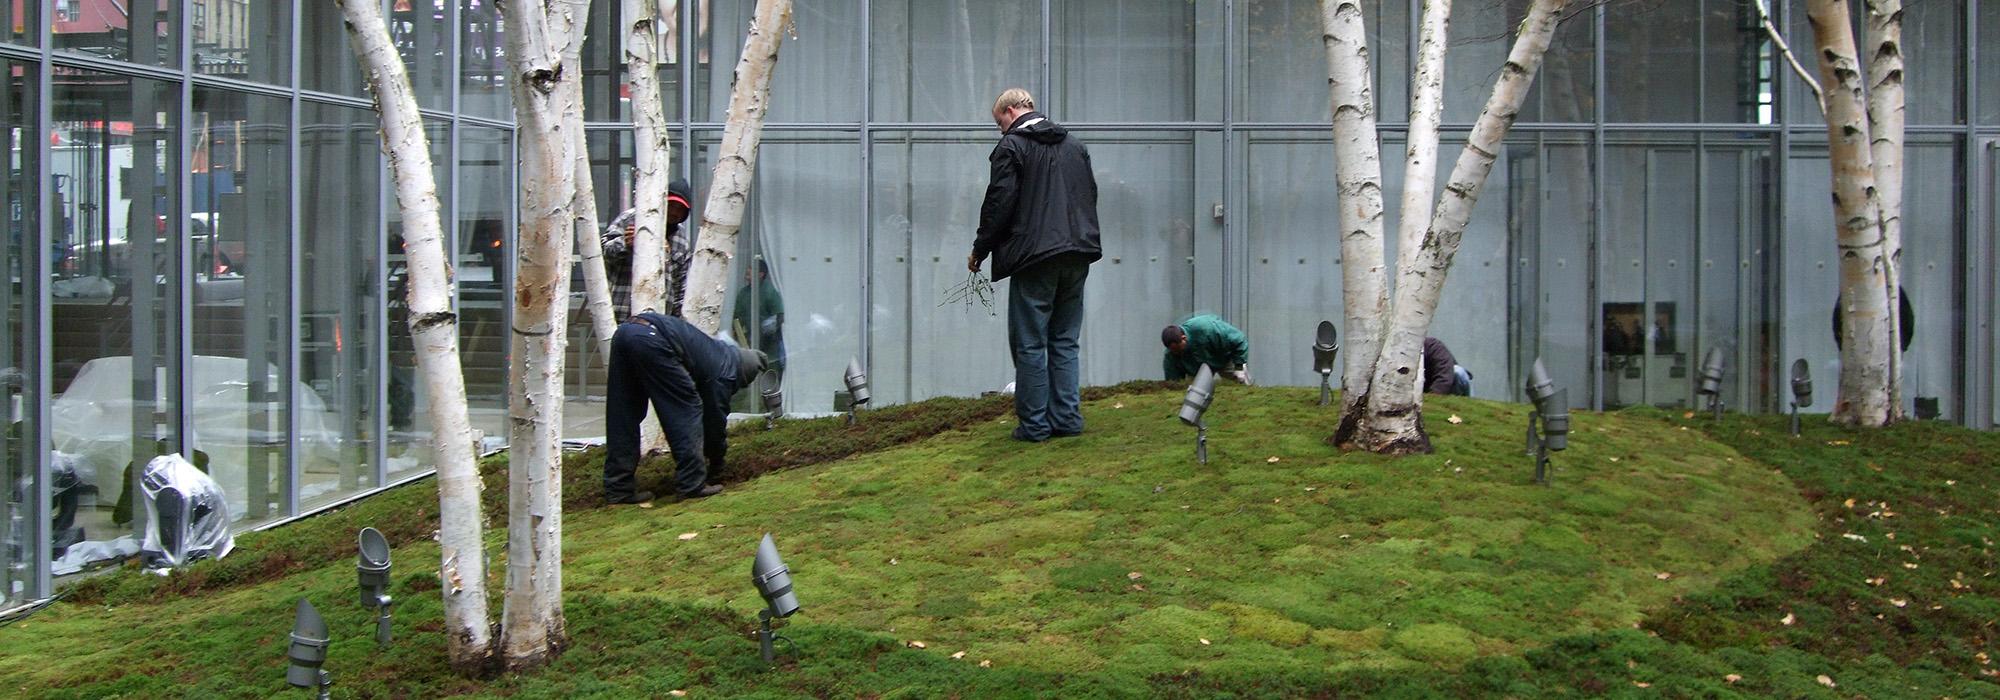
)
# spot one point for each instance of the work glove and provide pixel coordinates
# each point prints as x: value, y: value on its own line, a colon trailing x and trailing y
x: 1241, y: 375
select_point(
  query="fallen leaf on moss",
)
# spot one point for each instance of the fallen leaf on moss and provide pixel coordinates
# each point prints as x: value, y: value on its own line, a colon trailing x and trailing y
x: 914, y: 644
x: 1118, y: 405
x: 1642, y: 684
x: 1899, y: 602
x: 1204, y: 642
x: 1273, y: 460
x: 1689, y: 414
x: 678, y: 693
x: 1837, y: 443
x: 1788, y: 619
x: 1731, y: 678
x: 959, y: 655
x: 685, y: 536
x: 647, y: 505
x: 1135, y: 575
x: 1855, y: 537
x: 1454, y: 419
x: 1663, y: 575
x: 1825, y: 681
x: 986, y: 663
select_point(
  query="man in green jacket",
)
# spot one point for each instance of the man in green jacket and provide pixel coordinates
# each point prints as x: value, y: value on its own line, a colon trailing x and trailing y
x: 1205, y: 340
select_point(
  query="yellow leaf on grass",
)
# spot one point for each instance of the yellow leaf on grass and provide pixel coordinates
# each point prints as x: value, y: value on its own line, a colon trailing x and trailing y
x: 1273, y: 460
x: 1825, y: 681
x: 959, y: 655
x: 1454, y: 419
x: 1204, y: 642
x: 1788, y: 619
x: 1663, y: 576
x: 986, y: 663
x: 1135, y: 575
x: 1731, y: 678
x: 914, y: 644
x: 685, y: 536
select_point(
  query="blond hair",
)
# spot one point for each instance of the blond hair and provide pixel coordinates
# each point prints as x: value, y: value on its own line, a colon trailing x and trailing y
x: 1013, y: 97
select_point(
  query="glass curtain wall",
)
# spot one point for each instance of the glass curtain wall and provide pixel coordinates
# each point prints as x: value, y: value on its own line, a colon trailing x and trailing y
x: 341, y: 304
x: 23, y: 526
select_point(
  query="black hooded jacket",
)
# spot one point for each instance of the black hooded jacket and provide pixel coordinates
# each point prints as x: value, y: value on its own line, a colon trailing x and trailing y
x: 1042, y: 200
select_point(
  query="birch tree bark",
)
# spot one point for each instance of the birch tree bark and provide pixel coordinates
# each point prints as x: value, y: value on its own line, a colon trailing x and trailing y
x: 539, y: 36
x: 1426, y: 110
x: 434, y: 328
x: 1358, y: 182
x: 651, y: 153
x: 1885, y: 122
x: 1393, y: 422
x: 596, y: 284
x: 735, y: 166
x: 1868, y: 311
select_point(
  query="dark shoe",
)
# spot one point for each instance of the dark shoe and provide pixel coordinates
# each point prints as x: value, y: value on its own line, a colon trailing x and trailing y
x: 703, y: 492
x: 1065, y: 433
x: 630, y: 499
x: 1024, y: 437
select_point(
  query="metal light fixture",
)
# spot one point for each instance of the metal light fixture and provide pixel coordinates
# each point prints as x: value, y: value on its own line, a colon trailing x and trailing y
x: 308, y: 651
x: 372, y: 568
x: 1713, y: 365
x: 774, y: 401
x: 1199, y: 395
x: 1548, y: 424
x: 1801, y: 391
x: 857, y: 387
x: 1325, y: 347
x: 774, y: 584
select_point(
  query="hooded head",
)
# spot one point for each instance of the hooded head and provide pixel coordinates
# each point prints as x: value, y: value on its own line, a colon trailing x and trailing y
x: 749, y: 364
x: 679, y: 196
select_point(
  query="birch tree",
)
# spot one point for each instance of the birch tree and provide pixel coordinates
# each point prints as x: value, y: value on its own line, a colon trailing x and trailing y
x: 651, y: 153
x: 1382, y: 410
x: 1864, y: 142
x: 735, y: 166
x: 434, y: 327
x: 539, y: 48
x: 590, y: 250
x: 1358, y: 179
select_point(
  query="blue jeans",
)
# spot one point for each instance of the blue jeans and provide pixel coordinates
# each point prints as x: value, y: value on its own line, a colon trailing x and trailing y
x: 1044, y: 322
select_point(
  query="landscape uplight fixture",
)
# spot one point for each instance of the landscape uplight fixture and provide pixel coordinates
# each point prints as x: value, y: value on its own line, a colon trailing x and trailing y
x: 1325, y: 347
x: 308, y: 651
x: 1801, y: 391
x: 1548, y: 424
x: 1199, y: 395
x: 774, y: 402
x: 774, y: 584
x: 857, y: 387
x: 1713, y: 365
x: 372, y: 567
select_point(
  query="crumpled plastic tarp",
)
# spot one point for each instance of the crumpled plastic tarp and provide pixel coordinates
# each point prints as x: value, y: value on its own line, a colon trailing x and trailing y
x: 187, y: 515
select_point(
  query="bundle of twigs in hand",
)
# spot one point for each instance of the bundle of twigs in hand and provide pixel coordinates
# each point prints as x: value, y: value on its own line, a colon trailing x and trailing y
x: 975, y: 289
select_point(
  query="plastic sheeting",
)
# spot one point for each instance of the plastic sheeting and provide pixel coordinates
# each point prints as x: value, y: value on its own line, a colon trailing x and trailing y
x: 94, y: 420
x: 187, y: 515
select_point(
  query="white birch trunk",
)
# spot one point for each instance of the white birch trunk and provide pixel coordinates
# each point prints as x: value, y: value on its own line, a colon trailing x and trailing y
x: 1426, y: 110
x: 1394, y: 423
x: 596, y: 285
x: 735, y: 166
x: 1885, y: 121
x: 1868, y: 308
x: 434, y: 328
x: 1358, y: 179
x: 651, y: 154
x: 538, y: 44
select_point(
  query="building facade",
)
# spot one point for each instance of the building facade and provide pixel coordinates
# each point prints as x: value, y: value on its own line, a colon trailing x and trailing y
x: 205, y: 257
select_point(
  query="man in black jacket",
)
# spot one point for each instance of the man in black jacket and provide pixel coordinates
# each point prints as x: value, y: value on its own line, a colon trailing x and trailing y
x: 1039, y: 223
x: 688, y: 377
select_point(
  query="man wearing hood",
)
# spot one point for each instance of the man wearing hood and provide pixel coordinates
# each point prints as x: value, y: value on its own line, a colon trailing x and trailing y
x: 688, y: 377
x: 1039, y: 224
x: 617, y: 240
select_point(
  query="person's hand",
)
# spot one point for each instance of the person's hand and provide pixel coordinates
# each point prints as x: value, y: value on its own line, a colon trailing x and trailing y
x: 972, y: 262
x: 1241, y: 376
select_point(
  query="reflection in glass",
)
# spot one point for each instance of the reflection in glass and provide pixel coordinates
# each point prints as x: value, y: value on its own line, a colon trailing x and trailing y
x: 606, y: 96
x: 115, y: 292
x: 340, y: 305
x: 1137, y: 60
x: 18, y: 23
x: 1282, y: 50
x: 139, y: 31
x: 945, y: 61
x: 482, y: 55
x: 818, y: 78
x: 239, y: 227
x: 22, y: 525
x: 242, y: 40
x: 326, y: 58
x: 483, y: 251
x: 421, y: 30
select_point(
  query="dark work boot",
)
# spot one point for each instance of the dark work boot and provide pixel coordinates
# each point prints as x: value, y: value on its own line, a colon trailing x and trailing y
x: 629, y: 499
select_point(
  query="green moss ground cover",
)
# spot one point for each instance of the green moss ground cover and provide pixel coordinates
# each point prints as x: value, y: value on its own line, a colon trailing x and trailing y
x: 1664, y: 560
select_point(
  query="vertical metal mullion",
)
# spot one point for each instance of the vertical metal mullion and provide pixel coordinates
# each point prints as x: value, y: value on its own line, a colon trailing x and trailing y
x: 1594, y: 338
x: 184, y: 287
x: 293, y: 468
x: 867, y: 146
x: 1774, y: 233
x: 39, y: 323
x: 1975, y: 403
x: 687, y: 47
x: 378, y: 355
x: 1230, y: 228
x: 1048, y: 47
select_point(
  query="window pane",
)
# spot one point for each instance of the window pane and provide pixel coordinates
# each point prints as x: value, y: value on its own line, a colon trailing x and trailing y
x: 1931, y: 221
x: 241, y: 277
x: 1549, y: 183
x: 326, y: 58
x: 946, y: 60
x: 139, y: 31
x: 1282, y: 51
x: 340, y: 307
x: 1137, y: 60
x: 20, y: 518
x: 1989, y: 70
x: 409, y: 403
x: 422, y: 31
x: 1149, y: 216
x: 1934, y: 58
x: 606, y: 96
x: 482, y: 51
x: 804, y: 222
x: 21, y: 23
x: 115, y: 355
x: 484, y: 251
x: 243, y: 40
x: 818, y: 77
x: 1483, y: 34
x: 1685, y: 61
